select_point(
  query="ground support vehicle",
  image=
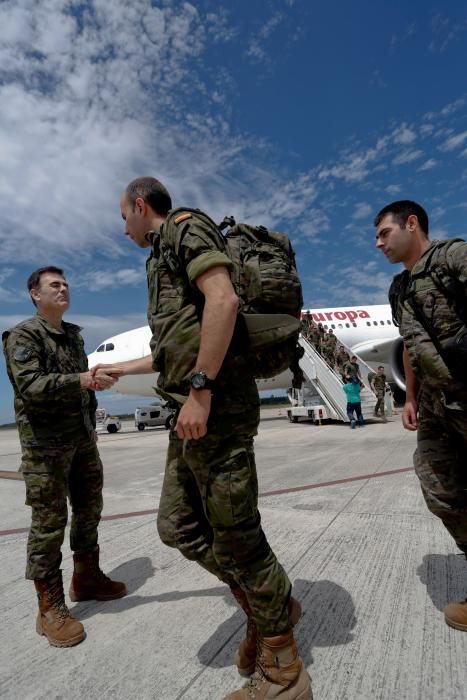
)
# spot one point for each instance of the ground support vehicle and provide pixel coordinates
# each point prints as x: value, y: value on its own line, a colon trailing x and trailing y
x: 158, y: 413
x: 106, y: 423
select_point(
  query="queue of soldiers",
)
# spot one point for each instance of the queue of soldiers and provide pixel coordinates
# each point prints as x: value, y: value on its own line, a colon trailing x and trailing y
x: 217, y: 418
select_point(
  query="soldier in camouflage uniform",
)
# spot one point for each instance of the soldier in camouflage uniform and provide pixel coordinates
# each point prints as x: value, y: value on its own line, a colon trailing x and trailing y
x: 351, y: 368
x: 55, y: 412
x: 378, y: 385
x: 436, y: 401
x: 208, y: 506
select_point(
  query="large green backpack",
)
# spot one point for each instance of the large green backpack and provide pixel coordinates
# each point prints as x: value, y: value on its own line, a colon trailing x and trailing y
x: 265, y: 278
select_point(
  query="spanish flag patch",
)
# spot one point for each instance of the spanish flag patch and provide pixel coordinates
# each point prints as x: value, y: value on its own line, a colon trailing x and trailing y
x: 182, y: 217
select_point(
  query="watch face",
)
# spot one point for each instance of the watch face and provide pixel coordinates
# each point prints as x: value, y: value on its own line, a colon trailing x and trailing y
x: 198, y: 380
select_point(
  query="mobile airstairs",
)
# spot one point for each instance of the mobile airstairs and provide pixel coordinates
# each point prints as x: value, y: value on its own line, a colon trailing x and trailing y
x: 322, y: 397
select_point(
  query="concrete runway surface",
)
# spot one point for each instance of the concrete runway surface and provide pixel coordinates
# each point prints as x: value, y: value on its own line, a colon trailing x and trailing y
x: 343, y: 511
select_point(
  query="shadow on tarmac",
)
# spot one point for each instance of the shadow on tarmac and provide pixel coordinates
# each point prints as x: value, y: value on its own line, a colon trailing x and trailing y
x: 327, y: 619
x: 445, y: 578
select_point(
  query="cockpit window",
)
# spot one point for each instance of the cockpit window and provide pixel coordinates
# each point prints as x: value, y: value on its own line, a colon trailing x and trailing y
x: 101, y: 348
x: 109, y: 346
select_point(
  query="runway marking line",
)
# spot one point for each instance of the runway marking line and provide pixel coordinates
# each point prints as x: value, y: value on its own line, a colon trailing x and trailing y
x: 276, y: 492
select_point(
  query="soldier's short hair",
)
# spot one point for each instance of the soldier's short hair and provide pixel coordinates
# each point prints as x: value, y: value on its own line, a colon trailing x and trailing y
x: 152, y: 191
x: 401, y: 210
x: 34, y: 278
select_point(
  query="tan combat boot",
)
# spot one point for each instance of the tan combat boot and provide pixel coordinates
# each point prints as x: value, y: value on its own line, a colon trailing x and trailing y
x: 279, y: 672
x: 89, y: 582
x: 54, y: 619
x: 245, y: 656
x: 455, y: 615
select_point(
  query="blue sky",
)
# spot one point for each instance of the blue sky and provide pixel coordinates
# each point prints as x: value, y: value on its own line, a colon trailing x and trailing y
x: 304, y: 116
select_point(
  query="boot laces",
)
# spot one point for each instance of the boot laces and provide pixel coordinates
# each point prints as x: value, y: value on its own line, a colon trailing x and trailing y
x: 258, y: 678
x: 57, y: 601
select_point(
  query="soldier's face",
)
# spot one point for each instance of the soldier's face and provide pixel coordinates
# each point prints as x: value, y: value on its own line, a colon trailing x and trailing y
x: 137, y: 223
x: 52, y: 294
x: 395, y: 242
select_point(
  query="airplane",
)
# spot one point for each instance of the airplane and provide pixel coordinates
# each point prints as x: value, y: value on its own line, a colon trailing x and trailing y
x: 368, y: 331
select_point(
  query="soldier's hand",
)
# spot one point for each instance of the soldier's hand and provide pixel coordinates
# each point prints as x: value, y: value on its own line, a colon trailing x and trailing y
x: 409, y: 415
x: 103, y: 380
x: 114, y: 370
x: 87, y: 381
x: 193, y: 417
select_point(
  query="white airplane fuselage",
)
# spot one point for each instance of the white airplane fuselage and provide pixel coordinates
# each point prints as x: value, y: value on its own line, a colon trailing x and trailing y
x: 368, y: 331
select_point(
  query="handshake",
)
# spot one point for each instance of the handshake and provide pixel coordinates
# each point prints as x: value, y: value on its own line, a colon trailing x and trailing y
x: 100, y: 377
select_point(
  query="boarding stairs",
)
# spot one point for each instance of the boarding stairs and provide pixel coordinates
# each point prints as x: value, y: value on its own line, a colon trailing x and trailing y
x: 323, y: 384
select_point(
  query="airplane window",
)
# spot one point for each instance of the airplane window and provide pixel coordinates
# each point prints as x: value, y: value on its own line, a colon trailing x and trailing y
x: 354, y: 324
x: 375, y: 323
x: 347, y: 325
x: 368, y: 323
x: 100, y: 348
x: 382, y: 323
x: 339, y: 325
x: 333, y: 325
x: 110, y: 346
x: 326, y: 327
x: 388, y: 322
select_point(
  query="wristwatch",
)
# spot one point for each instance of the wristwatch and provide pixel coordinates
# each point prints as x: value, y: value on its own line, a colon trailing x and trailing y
x: 199, y: 380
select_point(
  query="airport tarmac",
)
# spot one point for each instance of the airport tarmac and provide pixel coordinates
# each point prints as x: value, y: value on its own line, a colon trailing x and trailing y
x: 343, y: 511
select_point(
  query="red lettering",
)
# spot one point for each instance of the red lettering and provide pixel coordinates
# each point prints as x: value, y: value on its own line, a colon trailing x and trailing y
x: 363, y: 314
x: 352, y: 315
x: 318, y: 317
x: 329, y: 315
x: 340, y: 315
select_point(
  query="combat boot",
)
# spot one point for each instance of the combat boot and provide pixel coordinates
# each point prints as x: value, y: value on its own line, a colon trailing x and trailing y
x: 54, y: 619
x: 89, y: 582
x: 245, y: 656
x: 279, y: 672
x: 455, y: 615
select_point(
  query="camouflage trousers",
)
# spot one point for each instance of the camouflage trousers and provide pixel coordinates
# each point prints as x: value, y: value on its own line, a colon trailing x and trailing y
x: 440, y: 464
x: 209, y: 512
x: 379, y: 406
x: 51, y: 476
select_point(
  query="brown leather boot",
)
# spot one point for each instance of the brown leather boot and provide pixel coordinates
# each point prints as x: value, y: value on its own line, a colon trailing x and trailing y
x: 245, y: 656
x: 54, y: 619
x: 89, y: 582
x: 279, y: 672
x: 455, y: 615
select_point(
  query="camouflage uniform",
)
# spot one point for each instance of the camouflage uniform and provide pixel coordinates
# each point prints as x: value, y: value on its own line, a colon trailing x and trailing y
x: 442, y: 433
x: 351, y: 369
x: 379, y: 385
x: 56, y: 421
x: 208, y: 507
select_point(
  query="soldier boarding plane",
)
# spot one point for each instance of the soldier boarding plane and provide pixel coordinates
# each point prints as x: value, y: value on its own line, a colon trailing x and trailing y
x: 368, y: 331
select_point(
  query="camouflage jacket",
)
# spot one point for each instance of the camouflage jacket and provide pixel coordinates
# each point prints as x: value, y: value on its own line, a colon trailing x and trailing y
x: 43, y: 366
x: 175, y: 310
x: 379, y: 383
x: 426, y: 363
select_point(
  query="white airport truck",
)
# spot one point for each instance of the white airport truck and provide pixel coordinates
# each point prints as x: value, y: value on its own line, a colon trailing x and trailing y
x: 158, y: 413
x: 106, y: 423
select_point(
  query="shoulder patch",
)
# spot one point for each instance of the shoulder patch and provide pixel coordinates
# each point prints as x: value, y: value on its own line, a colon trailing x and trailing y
x: 182, y: 217
x: 22, y: 353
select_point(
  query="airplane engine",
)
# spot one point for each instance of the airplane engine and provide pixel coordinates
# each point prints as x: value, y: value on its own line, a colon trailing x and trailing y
x: 396, y: 363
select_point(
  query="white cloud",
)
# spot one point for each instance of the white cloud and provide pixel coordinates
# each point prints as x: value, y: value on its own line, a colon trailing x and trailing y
x: 427, y: 165
x: 97, y: 280
x: 463, y: 154
x: 407, y: 157
x: 454, y: 142
x: 393, y: 189
x: 404, y: 135
x: 362, y: 211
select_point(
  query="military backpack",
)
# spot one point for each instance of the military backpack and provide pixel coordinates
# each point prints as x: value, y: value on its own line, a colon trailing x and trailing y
x: 403, y: 289
x: 265, y: 279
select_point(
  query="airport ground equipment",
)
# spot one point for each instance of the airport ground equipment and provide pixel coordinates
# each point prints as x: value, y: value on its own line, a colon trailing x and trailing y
x: 158, y: 413
x: 322, y: 397
x: 106, y: 423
